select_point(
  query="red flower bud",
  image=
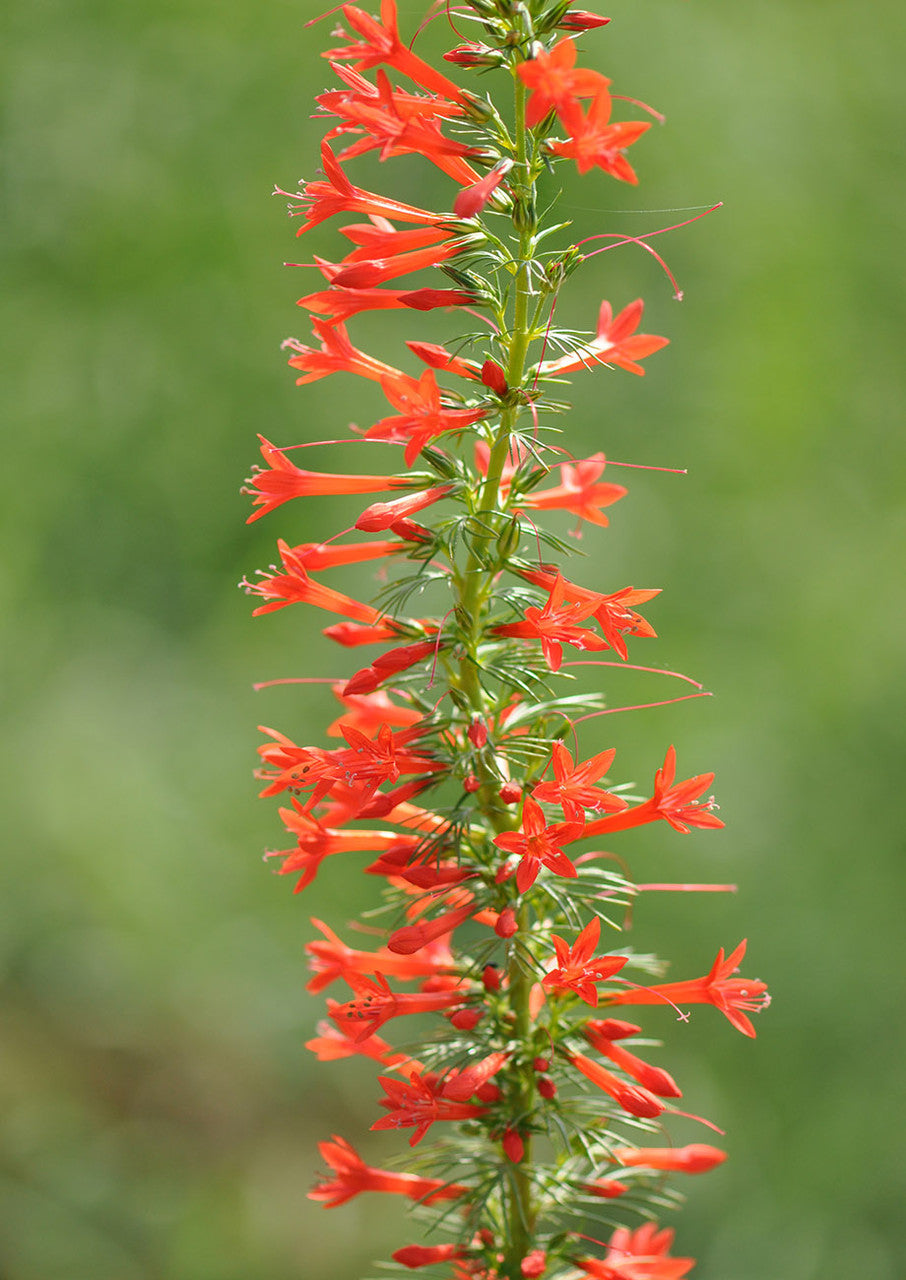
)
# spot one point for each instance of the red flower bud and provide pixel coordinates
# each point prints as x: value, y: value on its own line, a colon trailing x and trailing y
x: 506, y: 924
x: 606, y: 1189
x: 541, y: 1064
x: 581, y: 20
x: 493, y: 376
x: 488, y: 1092
x: 470, y: 783
x: 471, y: 200
x: 477, y: 733
x: 511, y: 793
x: 428, y: 299
x: 491, y: 977
x: 533, y: 1264
x: 546, y: 1087
x: 466, y: 1019
x: 513, y: 1146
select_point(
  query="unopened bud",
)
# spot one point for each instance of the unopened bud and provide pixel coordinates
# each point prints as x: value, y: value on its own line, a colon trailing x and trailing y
x: 466, y: 1019
x: 491, y: 977
x: 581, y: 20
x: 524, y: 213
x: 513, y: 1146
x: 546, y: 1087
x: 506, y: 924
x: 493, y: 376
x: 510, y: 792
x: 477, y: 733
x: 471, y: 782
x: 533, y: 1264
x: 508, y: 539
x: 541, y: 1064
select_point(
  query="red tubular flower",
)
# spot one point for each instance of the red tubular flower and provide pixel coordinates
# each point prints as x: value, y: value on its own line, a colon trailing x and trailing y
x: 697, y: 1157
x: 616, y: 343
x: 321, y: 200
x: 678, y: 804
x: 413, y: 937
x: 539, y: 845
x: 354, y: 1177
x: 572, y: 784
x: 734, y: 997
x: 581, y: 20
x: 419, y: 1255
x: 391, y: 664
x: 579, y: 970
x: 332, y: 959
x: 601, y: 1035
x: 556, y: 82
x: 421, y: 415
x: 612, y: 612
x: 295, y: 586
x: 376, y: 1003
x: 555, y: 625
x: 594, y: 141
x: 637, y: 1255
x: 381, y: 45
x: 417, y: 1103
x: 366, y: 274
x: 367, y: 712
x: 315, y: 556
x: 471, y: 200
x: 332, y: 1045
x: 513, y: 1146
x: 384, y: 515
x: 336, y: 355
x: 460, y: 1086
x: 578, y: 492
x: 316, y: 842
x: 635, y: 1099
x: 282, y: 481
x: 438, y: 357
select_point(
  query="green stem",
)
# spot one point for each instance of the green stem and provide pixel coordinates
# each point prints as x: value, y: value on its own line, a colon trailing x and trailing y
x: 473, y: 590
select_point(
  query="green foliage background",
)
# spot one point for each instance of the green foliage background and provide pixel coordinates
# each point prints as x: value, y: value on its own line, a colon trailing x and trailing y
x: 159, y: 1111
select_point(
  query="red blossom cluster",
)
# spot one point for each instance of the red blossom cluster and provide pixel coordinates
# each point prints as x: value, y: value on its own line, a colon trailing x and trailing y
x: 452, y: 784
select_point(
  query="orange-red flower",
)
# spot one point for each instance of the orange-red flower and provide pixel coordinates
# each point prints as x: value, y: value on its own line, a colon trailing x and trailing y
x: 380, y: 43
x: 321, y: 200
x: 635, y: 1099
x: 353, y: 1177
x: 376, y: 1003
x: 555, y: 625
x: 616, y: 343
x: 642, y: 1254
x: 336, y: 355
x: 578, y: 491
x: 296, y: 586
x: 332, y: 959
x: 572, y: 784
x: 734, y: 997
x: 602, y: 1035
x: 539, y: 845
x: 281, y: 480
x: 676, y: 802
x: 417, y: 1102
x: 696, y: 1157
x: 556, y: 82
x: 595, y: 141
x: 421, y: 414
x: 578, y: 969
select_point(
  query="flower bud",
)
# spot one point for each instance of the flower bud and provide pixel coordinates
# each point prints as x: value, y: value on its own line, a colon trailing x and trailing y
x: 477, y: 733
x: 471, y: 783
x: 466, y: 1019
x: 510, y: 793
x: 491, y: 977
x: 508, y: 540
x: 493, y: 376
x: 513, y: 1146
x: 581, y: 20
x: 546, y: 1087
x: 541, y: 1064
x: 506, y: 924
x: 533, y: 1264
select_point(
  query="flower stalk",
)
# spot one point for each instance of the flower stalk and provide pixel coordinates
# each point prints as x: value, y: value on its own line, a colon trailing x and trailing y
x: 449, y: 781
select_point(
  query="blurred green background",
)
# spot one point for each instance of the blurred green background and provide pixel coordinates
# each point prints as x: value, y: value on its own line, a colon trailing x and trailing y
x: 159, y: 1112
